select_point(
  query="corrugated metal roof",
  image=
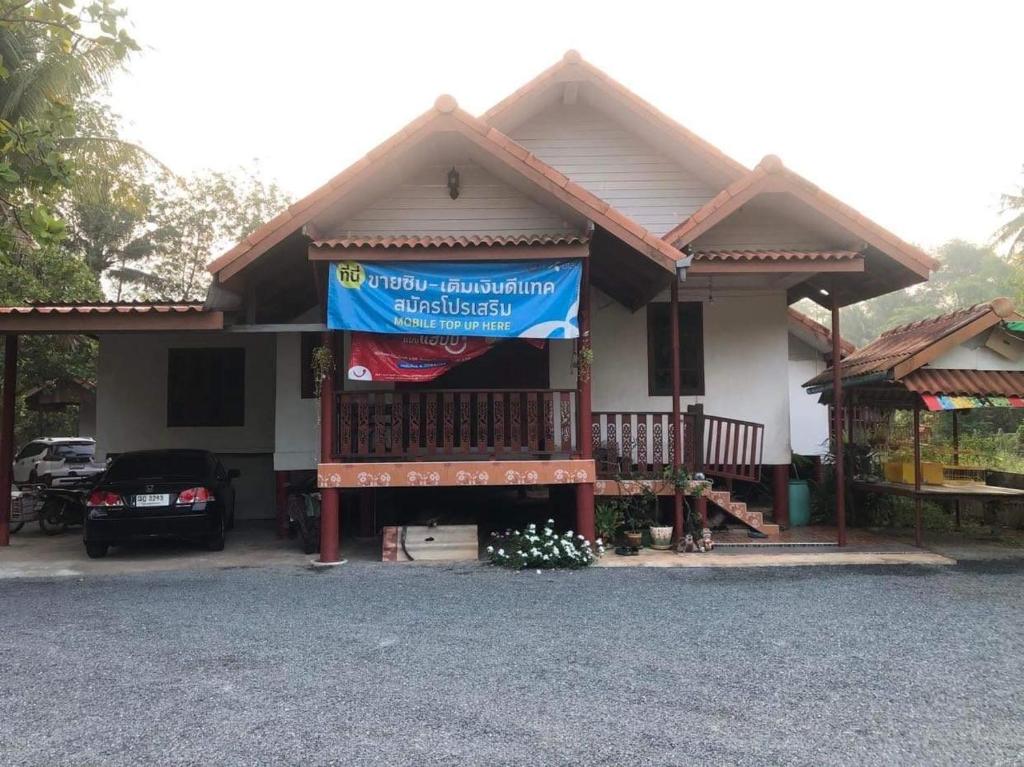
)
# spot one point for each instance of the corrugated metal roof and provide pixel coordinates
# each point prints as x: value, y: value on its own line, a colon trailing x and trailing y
x: 115, y: 307
x: 450, y: 241
x: 978, y: 383
x: 775, y: 255
x: 901, y: 343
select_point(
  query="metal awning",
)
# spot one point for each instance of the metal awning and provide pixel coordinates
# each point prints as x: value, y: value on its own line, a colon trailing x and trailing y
x: 114, y: 317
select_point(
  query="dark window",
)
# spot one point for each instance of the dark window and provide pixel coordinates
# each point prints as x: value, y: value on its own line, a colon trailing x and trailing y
x: 169, y: 465
x: 206, y: 387
x: 32, y: 448
x: 309, y: 342
x: 691, y: 349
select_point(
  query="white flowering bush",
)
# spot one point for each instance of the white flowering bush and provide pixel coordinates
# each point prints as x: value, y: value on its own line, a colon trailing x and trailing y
x: 542, y: 549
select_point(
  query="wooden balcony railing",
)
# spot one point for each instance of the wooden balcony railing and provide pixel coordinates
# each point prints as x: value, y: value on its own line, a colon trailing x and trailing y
x: 439, y: 423
x: 637, y: 444
x: 733, y: 449
x: 434, y: 424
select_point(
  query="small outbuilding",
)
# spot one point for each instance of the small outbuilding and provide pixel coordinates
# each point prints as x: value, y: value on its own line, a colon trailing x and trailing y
x: 965, y: 360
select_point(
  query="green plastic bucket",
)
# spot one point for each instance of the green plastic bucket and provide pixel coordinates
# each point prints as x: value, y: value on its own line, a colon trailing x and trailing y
x: 799, y: 503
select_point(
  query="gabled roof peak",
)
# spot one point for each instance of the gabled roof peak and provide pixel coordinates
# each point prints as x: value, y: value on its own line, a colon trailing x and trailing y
x: 446, y: 104
x: 574, y: 68
x: 771, y: 163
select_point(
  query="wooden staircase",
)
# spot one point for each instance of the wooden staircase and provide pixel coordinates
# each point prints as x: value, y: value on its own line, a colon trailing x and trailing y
x: 752, y: 519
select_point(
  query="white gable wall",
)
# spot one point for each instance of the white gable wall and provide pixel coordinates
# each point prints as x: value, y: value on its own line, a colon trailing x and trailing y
x: 423, y: 205
x: 978, y: 358
x: 614, y: 164
x: 753, y: 227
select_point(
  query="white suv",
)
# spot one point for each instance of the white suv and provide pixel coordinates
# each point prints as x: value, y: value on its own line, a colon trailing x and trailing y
x: 56, y: 461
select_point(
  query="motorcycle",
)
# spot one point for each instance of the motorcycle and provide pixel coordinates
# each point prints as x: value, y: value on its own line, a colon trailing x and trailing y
x: 304, y: 515
x: 62, y: 507
x: 25, y: 505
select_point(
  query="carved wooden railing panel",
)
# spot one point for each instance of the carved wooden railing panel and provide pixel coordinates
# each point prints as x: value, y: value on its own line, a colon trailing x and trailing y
x: 639, y: 444
x: 437, y: 423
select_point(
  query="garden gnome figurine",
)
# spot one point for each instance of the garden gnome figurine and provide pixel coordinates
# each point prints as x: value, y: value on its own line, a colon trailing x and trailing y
x: 705, y: 537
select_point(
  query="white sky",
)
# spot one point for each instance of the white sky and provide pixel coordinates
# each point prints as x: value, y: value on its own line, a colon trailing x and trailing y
x: 908, y: 111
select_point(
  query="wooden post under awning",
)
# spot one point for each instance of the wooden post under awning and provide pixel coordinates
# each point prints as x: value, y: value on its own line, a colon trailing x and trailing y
x: 7, y: 435
x: 837, y: 426
x: 330, y: 497
x: 678, y: 520
x: 918, y: 532
x: 585, y: 522
x: 956, y: 461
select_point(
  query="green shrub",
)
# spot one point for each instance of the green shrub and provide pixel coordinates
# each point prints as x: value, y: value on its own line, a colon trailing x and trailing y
x: 545, y: 549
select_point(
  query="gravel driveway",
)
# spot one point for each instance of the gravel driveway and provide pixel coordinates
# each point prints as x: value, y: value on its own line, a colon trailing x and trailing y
x: 419, y: 665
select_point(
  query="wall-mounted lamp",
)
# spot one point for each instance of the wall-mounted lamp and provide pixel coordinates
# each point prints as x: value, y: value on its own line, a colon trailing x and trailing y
x: 453, y: 183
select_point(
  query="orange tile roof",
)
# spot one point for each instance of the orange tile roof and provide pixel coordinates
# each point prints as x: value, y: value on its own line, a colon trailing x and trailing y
x: 573, y: 62
x: 915, y: 344
x: 819, y: 330
x: 447, y: 117
x: 775, y: 255
x: 113, y: 307
x: 771, y: 175
x: 442, y: 241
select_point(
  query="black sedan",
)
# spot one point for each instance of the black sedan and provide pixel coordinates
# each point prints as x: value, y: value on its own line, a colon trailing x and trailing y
x: 160, y: 493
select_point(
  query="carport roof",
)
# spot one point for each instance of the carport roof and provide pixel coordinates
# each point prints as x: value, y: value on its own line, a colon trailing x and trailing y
x: 115, y: 316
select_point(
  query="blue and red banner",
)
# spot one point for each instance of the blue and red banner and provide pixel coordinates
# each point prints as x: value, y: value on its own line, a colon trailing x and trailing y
x: 380, y: 357
x: 519, y: 299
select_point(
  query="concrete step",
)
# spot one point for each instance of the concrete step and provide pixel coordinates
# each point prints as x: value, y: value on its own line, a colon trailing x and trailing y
x: 738, y: 509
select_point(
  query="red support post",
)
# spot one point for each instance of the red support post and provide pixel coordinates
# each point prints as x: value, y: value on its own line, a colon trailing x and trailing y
x: 7, y: 436
x: 837, y: 425
x: 678, y: 522
x: 780, y: 494
x: 584, y: 416
x: 918, y: 531
x: 330, y: 500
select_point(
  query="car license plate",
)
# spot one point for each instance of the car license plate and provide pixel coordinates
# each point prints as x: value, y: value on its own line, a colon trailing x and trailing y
x: 152, y: 499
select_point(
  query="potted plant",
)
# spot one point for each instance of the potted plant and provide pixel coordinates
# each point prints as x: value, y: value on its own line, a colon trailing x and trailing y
x: 608, y: 519
x: 638, y: 516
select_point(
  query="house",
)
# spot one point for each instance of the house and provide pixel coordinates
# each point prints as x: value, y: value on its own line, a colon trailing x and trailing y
x: 684, y: 263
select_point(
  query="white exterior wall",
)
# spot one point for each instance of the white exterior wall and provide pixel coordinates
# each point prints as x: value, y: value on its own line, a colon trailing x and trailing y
x: 978, y: 358
x: 616, y: 165
x: 753, y: 227
x: 296, y: 427
x: 746, y: 372
x: 131, y: 408
x: 485, y: 205
x: 808, y: 418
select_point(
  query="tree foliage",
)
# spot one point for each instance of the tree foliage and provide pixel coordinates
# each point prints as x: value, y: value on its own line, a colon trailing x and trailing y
x: 196, y: 220
x: 53, y: 54
x: 970, y: 274
x: 1011, y: 233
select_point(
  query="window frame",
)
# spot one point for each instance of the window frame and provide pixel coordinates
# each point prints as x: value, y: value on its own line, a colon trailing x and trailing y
x: 695, y: 310
x: 234, y: 417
